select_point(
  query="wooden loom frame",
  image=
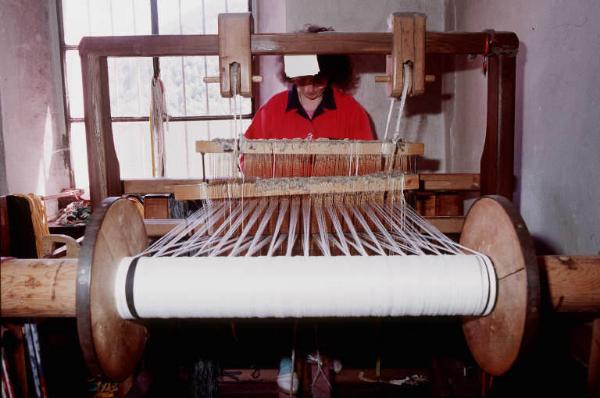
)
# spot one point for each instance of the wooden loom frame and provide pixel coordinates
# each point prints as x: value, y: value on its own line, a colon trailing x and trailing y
x: 500, y: 48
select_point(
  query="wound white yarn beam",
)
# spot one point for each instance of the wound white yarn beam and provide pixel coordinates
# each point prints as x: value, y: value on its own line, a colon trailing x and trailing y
x: 281, y: 287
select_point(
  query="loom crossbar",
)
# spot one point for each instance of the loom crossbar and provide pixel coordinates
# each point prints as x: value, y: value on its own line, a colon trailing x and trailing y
x: 380, y: 182
x: 317, y: 147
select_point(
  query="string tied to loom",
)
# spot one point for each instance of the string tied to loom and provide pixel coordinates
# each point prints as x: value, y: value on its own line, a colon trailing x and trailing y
x: 159, y: 122
x: 407, y: 73
x: 316, y: 359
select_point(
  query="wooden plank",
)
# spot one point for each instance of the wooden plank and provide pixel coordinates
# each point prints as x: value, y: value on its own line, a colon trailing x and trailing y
x: 38, y: 288
x: 449, y: 204
x: 573, y: 282
x: 292, y: 43
x: 497, y: 159
x: 317, y: 147
x: 447, y: 225
x: 298, y: 186
x: 234, y: 47
x: 418, y: 86
x: 450, y: 182
x: 156, y: 206
x: 149, y: 46
x: 159, y: 227
x: 155, y: 185
x: 103, y: 165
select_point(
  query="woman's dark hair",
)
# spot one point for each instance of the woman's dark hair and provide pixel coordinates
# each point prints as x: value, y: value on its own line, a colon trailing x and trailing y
x: 337, y: 69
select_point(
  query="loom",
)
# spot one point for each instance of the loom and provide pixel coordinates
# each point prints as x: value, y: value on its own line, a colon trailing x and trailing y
x: 111, y: 285
x: 327, y: 206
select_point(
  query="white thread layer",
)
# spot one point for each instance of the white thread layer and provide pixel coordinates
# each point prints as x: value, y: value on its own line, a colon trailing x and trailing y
x: 282, y: 287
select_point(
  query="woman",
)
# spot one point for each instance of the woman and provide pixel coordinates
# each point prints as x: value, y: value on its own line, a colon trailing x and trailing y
x: 317, y: 106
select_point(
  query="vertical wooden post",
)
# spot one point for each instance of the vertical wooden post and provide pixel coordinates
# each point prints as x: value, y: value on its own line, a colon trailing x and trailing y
x: 594, y: 361
x: 103, y: 165
x: 234, y: 47
x: 497, y: 159
x: 408, y: 45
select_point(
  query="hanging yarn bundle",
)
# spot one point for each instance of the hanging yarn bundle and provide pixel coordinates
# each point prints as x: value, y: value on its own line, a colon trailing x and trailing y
x: 158, y: 124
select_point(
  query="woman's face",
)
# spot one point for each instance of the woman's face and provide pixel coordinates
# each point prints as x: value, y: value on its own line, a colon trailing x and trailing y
x: 310, y: 87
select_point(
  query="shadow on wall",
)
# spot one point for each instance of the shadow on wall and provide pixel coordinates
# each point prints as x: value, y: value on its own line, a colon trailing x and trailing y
x: 3, y: 180
x: 519, y: 115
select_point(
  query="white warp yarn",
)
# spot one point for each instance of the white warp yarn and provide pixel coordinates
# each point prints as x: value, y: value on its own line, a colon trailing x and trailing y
x: 339, y: 286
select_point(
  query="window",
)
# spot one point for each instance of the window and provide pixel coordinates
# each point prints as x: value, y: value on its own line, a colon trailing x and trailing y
x: 196, y: 109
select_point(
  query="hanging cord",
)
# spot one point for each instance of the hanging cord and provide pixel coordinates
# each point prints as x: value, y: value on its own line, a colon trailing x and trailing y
x: 159, y: 122
x: 316, y: 359
x: 389, y: 118
x: 407, y: 73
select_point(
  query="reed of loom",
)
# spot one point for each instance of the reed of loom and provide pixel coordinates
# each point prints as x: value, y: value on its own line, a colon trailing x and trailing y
x: 266, y: 159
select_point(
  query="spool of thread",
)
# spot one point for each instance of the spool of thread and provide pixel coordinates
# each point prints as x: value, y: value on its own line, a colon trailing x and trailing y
x: 282, y: 287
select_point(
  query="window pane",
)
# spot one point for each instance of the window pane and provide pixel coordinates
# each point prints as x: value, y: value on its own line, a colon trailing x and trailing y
x: 221, y: 165
x: 130, y: 82
x: 212, y: 9
x: 168, y: 17
x: 132, y: 143
x: 105, y: 18
x: 133, y: 147
x: 131, y: 17
x: 75, y: 20
x: 172, y: 77
x: 237, y: 5
x: 79, y: 157
x: 143, y: 18
x: 192, y: 99
x: 100, y: 20
x: 74, y: 83
x: 181, y: 157
x: 191, y: 17
x: 195, y: 88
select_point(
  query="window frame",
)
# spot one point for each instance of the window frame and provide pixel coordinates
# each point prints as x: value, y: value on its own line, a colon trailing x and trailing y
x: 69, y: 120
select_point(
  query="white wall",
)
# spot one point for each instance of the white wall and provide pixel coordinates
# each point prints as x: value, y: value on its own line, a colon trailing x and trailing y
x: 558, y: 114
x: 269, y: 18
x: 33, y: 125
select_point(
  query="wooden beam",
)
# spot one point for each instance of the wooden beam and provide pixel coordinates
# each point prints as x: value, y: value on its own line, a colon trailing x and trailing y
x: 155, y: 185
x: 573, y: 282
x: 38, y: 288
x: 450, y: 182
x: 304, y: 147
x: 291, y: 43
x: 103, y: 165
x: 298, y: 186
x: 497, y: 159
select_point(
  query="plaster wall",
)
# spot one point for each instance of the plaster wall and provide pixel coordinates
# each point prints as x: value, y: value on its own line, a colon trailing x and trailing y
x: 269, y: 17
x: 557, y: 158
x: 33, y: 126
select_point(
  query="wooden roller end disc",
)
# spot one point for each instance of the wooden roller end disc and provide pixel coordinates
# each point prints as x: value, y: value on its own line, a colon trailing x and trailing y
x: 111, y: 346
x: 495, y: 228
